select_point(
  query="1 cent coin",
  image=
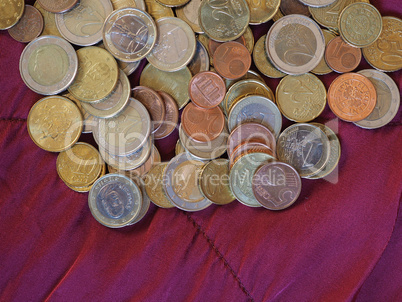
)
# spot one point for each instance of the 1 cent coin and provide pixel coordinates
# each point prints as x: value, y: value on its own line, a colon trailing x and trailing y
x: 232, y: 60
x: 342, y: 57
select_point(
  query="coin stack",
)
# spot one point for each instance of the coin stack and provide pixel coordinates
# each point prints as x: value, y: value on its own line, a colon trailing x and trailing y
x: 230, y: 141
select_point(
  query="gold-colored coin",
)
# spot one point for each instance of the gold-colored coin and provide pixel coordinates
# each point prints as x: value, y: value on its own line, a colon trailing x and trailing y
x: 278, y: 15
x: 97, y: 74
x: 79, y: 166
x: 174, y: 83
x: 327, y: 16
x: 54, y: 123
x: 10, y: 12
x: 189, y: 14
x: 322, y: 67
x: 179, y: 148
x: 154, y: 186
x: 249, y: 37
x: 385, y: 54
x: 251, y: 74
x: 118, y: 4
x: 88, y: 121
x: 173, y: 3
x: 115, y: 102
x: 214, y: 182
x: 360, y: 24
x: 245, y: 88
x: 334, y: 152
x: 49, y: 22
x: 87, y: 188
x: 262, y: 11
x: 224, y: 22
x: 301, y: 98
x: 157, y: 10
x: 185, y: 180
x: 262, y: 61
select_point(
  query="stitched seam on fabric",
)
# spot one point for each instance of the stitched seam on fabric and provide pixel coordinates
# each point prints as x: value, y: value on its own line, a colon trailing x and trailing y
x: 382, y: 253
x: 220, y: 256
x: 18, y: 120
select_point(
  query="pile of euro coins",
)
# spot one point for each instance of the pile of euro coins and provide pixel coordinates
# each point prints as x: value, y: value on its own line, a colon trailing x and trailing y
x: 231, y: 145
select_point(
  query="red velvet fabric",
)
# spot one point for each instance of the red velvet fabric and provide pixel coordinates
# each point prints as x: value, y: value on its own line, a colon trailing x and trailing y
x: 341, y: 241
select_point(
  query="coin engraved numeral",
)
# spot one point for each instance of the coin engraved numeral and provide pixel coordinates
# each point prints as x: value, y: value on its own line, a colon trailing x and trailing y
x: 392, y: 51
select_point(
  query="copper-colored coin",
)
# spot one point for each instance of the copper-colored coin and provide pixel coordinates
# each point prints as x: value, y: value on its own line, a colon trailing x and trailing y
x: 352, y: 97
x: 213, y: 45
x: 249, y: 147
x: 29, y: 26
x: 232, y: 60
x: 171, y: 116
x: 276, y: 185
x: 202, y: 125
x: 58, y: 6
x: 250, y: 132
x: 342, y: 57
x: 289, y: 7
x: 207, y: 89
x: 153, y: 102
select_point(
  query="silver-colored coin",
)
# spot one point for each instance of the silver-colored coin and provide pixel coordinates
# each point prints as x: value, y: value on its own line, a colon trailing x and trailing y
x: 388, y: 100
x: 126, y: 133
x: 128, y: 68
x: 170, y: 192
x: 130, y: 161
x: 305, y: 147
x: 200, y: 61
x: 317, y: 3
x: 83, y: 24
x: 334, y: 152
x: 244, y: 88
x: 205, y: 150
x: 241, y: 175
x: 146, y: 202
x: 175, y: 44
x: 114, y: 103
x: 48, y: 65
x: 295, y: 44
x: 129, y: 34
x: 115, y: 200
x: 189, y: 14
x: 257, y: 109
